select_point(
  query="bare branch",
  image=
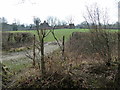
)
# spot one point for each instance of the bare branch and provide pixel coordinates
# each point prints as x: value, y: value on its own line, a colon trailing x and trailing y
x: 28, y: 54
x: 52, y: 31
x: 47, y: 33
x: 70, y: 19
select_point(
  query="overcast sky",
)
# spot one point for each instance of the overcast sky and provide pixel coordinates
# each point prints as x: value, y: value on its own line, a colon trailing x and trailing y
x: 24, y: 12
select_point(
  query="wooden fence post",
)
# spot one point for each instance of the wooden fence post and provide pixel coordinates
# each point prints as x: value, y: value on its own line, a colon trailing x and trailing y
x: 34, y: 51
x: 63, y: 48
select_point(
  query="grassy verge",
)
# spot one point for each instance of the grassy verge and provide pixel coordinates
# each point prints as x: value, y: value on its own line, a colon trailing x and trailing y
x: 17, y: 65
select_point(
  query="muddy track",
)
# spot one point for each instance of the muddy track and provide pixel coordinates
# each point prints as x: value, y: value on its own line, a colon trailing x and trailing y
x: 49, y: 47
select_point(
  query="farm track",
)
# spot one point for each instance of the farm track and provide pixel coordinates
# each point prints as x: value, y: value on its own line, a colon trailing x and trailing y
x: 49, y: 47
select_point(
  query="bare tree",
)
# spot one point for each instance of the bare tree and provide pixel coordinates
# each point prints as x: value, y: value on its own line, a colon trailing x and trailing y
x: 64, y: 23
x: 32, y: 57
x: 97, y: 21
x: 3, y: 20
x: 117, y: 76
x: 41, y: 34
x: 53, y: 21
x: 70, y: 19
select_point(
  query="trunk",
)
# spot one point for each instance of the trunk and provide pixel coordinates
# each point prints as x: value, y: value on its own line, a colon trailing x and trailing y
x: 42, y: 57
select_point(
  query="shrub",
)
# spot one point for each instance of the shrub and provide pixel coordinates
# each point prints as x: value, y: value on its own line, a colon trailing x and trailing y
x: 16, y: 40
x: 102, y: 43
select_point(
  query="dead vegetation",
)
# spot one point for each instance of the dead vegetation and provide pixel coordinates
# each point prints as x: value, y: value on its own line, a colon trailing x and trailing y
x: 93, y: 45
x: 76, y: 71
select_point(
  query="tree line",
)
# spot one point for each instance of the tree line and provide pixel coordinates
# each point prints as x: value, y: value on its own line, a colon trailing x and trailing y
x: 46, y: 24
x: 68, y: 24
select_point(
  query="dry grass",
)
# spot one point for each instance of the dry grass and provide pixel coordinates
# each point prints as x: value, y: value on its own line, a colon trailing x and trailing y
x: 80, y: 72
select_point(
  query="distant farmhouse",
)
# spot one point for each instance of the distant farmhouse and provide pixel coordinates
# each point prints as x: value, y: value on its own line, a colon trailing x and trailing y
x: 44, y: 25
x: 71, y: 26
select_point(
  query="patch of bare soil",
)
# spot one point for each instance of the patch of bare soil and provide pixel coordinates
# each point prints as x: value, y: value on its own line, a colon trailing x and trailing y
x: 49, y: 47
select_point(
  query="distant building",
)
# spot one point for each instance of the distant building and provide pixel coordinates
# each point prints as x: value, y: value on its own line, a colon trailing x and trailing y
x: 44, y: 25
x: 71, y: 26
x: 62, y: 27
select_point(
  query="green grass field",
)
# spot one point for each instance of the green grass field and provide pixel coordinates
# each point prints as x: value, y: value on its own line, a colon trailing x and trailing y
x: 59, y: 33
x: 63, y: 32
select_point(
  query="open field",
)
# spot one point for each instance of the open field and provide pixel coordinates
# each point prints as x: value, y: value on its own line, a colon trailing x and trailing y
x: 59, y: 33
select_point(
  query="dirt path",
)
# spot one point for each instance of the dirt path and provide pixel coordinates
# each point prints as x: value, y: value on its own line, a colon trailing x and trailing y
x: 49, y: 47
